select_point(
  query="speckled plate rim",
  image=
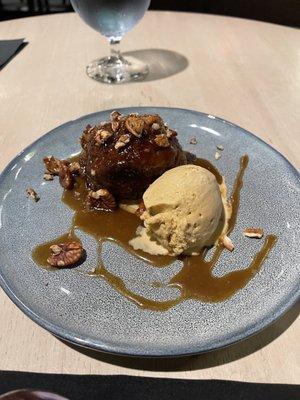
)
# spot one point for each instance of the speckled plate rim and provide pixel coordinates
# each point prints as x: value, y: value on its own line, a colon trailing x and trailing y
x: 119, y: 350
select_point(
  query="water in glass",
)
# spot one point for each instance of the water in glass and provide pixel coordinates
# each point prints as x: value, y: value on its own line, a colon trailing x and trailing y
x: 113, y: 18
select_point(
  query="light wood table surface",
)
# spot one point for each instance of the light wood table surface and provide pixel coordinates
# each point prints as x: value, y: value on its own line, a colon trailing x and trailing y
x: 244, y: 71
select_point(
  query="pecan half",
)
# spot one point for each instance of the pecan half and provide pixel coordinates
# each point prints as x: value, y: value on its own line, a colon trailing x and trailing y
x: 65, y: 254
x: 256, y: 233
x: 141, y: 209
x: 66, y: 178
x: 162, y: 140
x: 122, y: 141
x: 227, y: 243
x: 63, y: 169
x: 101, y: 199
x: 33, y: 194
x: 135, y: 125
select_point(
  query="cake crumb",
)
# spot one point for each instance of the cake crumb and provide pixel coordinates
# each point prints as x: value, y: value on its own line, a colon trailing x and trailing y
x: 33, y: 194
x: 193, y: 140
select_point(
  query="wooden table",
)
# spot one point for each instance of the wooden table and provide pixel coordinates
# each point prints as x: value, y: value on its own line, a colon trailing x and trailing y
x: 243, y: 71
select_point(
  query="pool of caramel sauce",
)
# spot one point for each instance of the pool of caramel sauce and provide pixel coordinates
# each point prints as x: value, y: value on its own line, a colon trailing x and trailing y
x: 195, y: 280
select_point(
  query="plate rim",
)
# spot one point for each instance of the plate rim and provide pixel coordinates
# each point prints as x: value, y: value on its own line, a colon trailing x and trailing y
x: 116, y: 349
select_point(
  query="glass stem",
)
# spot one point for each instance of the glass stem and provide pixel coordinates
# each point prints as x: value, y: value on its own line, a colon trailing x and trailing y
x: 115, y: 51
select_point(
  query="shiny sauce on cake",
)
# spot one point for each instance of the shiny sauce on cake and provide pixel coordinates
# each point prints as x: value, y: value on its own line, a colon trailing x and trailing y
x: 195, y: 280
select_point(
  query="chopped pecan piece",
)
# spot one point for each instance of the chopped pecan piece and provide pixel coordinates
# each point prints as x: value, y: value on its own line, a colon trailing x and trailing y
x: 89, y: 128
x: 122, y: 141
x: 115, y: 117
x: 52, y: 165
x: 155, y: 126
x: 33, y: 194
x: 65, y: 254
x: 135, y: 125
x: 86, y: 135
x: 66, y: 178
x: 193, y: 140
x: 256, y: 233
x: 217, y: 155
x: 171, y: 133
x: 115, y: 126
x: 74, y: 167
x: 220, y: 147
x: 101, y: 136
x: 141, y: 209
x: 48, y: 177
x: 162, y: 140
x: 151, y: 119
x: 227, y: 243
x: 101, y: 199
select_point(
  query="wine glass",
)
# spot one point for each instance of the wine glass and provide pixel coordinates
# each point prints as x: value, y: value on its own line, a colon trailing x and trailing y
x: 113, y: 18
x: 30, y: 395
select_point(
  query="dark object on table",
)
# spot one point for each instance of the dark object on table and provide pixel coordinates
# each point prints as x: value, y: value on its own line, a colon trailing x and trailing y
x: 31, y: 395
x: 8, y: 49
x: 127, y: 154
x: 285, y: 12
x: 11, y: 9
x: 92, y: 387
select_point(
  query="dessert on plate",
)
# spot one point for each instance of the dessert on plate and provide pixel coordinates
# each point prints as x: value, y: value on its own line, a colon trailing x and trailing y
x: 134, y: 184
x: 128, y: 153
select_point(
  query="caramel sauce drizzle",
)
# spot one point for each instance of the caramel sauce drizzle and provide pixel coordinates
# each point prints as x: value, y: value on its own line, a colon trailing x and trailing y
x: 195, y: 280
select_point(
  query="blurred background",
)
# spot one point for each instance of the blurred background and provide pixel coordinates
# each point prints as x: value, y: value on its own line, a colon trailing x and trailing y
x: 285, y: 12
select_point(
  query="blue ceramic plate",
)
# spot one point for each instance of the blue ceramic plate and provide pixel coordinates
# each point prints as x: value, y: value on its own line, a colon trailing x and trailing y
x: 88, y: 312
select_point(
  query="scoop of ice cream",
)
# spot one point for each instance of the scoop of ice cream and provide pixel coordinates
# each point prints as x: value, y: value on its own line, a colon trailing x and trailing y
x: 184, y: 211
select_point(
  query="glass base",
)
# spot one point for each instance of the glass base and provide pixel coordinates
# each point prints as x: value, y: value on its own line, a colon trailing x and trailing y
x: 117, y: 69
